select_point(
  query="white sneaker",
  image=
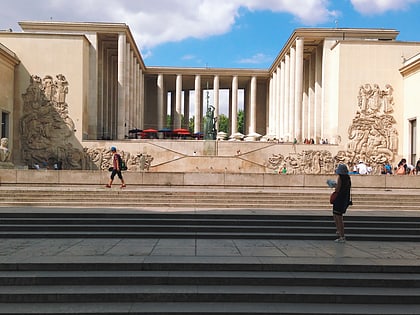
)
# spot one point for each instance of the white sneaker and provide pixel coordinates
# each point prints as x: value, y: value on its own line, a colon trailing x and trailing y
x: 340, y: 240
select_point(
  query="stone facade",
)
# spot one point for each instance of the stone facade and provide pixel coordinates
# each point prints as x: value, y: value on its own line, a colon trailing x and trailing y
x: 331, y: 96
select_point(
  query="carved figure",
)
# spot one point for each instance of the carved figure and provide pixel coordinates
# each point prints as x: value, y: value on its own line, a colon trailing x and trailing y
x: 4, y: 150
x: 388, y: 99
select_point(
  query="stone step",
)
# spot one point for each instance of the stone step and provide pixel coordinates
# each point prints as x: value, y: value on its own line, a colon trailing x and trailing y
x: 208, y: 293
x: 191, y: 199
x: 44, y: 225
x: 267, y: 278
x: 207, y: 308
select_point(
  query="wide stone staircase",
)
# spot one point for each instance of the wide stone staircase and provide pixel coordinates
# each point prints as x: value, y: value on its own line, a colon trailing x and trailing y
x: 192, y: 198
x: 204, y: 285
x: 207, y: 288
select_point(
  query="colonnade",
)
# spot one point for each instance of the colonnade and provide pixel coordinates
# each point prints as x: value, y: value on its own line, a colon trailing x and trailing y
x: 121, y: 88
x: 295, y: 95
x: 291, y: 106
x: 180, y: 98
x: 130, y: 89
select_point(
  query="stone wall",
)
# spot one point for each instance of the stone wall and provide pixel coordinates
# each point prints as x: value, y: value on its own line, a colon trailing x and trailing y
x: 221, y: 180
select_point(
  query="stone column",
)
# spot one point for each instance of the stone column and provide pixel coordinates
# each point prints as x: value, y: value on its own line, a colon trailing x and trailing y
x: 287, y: 133
x: 280, y: 102
x: 292, y: 93
x: 234, y: 118
x: 185, y: 124
x: 197, y: 104
x: 160, y: 102
x: 271, y: 113
x: 127, y: 90
x: 121, y: 86
x: 216, y: 97
x: 311, y: 98
x: 298, y: 89
x: 318, y: 94
x: 142, y: 110
x: 131, y: 88
x: 253, y: 109
x: 178, y: 102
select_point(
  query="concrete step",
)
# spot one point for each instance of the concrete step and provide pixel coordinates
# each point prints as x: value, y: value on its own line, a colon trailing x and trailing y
x: 169, y: 225
x: 320, y: 289
x: 206, y: 308
x: 74, y: 197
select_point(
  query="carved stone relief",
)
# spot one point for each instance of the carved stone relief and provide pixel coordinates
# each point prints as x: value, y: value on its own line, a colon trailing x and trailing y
x: 373, y: 138
x: 101, y: 158
x: 46, y: 127
x: 47, y: 131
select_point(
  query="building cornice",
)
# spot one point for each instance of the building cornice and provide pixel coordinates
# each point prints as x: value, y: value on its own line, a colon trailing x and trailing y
x: 411, y: 65
x: 84, y: 28
x: 8, y: 55
x: 207, y: 71
x: 314, y: 35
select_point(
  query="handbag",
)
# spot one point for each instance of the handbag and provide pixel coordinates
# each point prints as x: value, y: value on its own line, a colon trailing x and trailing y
x: 333, y: 196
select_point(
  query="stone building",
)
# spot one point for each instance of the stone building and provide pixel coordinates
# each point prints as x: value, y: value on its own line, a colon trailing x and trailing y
x: 73, y: 89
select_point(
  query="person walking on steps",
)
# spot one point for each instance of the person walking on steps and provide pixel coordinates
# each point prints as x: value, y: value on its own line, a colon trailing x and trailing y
x: 342, y: 201
x: 116, y: 168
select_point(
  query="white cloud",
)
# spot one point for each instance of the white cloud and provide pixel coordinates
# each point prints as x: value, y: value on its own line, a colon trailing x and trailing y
x: 372, y: 7
x: 256, y: 59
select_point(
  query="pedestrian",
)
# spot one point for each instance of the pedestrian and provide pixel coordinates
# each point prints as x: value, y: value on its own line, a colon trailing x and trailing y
x: 362, y: 168
x: 342, y: 201
x: 116, y: 168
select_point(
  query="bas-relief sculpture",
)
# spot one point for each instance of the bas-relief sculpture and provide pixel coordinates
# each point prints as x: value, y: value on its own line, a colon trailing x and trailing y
x: 372, y: 136
x: 101, y: 158
x: 47, y: 131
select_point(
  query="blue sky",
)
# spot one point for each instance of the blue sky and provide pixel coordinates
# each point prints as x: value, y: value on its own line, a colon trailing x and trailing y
x: 220, y: 33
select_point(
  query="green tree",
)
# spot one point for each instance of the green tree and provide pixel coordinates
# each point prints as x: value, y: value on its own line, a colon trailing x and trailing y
x: 223, y: 123
x: 191, y: 125
x: 241, y: 121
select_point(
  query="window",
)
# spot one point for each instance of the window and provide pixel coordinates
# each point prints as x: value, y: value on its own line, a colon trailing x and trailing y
x: 413, y: 141
x: 4, y: 125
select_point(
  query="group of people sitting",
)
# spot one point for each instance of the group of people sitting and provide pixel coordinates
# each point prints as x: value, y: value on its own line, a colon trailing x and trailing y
x: 403, y: 168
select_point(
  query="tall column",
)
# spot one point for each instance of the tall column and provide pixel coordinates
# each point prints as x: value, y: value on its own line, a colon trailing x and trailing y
x: 185, y: 124
x: 234, y: 118
x: 131, y: 103
x: 216, y: 97
x: 136, y: 95
x: 197, y: 104
x: 271, y: 113
x: 287, y: 133
x: 281, y: 119
x: 121, y: 86
x: 306, y: 106
x: 311, y: 96
x: 298, y: 88
x: 292, y: 93
x: 276, y: 102
x: 178, y: 102
x: 318, y: 94
x: 142, y: 110
x: 160, y: 102
x: 127, y: 89
x: 253, y: 109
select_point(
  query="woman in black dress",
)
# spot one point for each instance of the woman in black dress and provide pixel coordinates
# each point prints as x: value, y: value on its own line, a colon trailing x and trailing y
x: 342, y: 201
